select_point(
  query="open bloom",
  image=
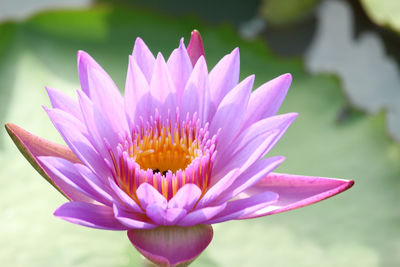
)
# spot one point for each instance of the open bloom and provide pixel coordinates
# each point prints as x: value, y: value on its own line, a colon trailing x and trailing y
x: 182, y: 149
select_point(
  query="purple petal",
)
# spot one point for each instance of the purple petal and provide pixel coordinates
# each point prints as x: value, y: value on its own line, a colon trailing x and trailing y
x: 66, y: 171
x: 161, y: 82
x: 201, y: 216
x: 164, y: 216
x: 64, y: 102
x: 132, y: 220
x: 186, y: 197
x: 125, y: 200
x: 297, y: 191
x: 196, y: 97
x: 97, y: 126
x: 70, y: 129
x: 33, y: 147
x: 240, y: 208
x: 219, y: 186
x: 136, y: 87
x: 224, y: 77
x: 254, y: 143
x: 266, y: 99
x: 179, y: 67
x: 249, y: 178
x: 172, y: 245
x: 90, y: 215
x: 102, y: 91
x: 147, y: 195
x: 144, y: 58
x: 195, y: 48
x: 230, y: 112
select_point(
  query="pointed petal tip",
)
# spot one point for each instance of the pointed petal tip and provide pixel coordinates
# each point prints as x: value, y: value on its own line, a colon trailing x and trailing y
x: 298, y: 191
x: 80, y: 55
x: 195, y: 48
x: 32, y: 147
x: 287, y: 76
x: 171, y: 245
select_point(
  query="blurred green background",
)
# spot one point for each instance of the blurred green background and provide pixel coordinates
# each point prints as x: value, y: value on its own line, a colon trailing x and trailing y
x: 344, y: 58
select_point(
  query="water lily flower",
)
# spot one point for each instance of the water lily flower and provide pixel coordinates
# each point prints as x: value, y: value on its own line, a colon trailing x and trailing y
x: 183, y: 149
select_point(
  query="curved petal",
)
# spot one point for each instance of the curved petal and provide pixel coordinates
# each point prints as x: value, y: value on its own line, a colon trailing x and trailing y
x: 132, y: 220
x: 64, y: 102
x: 229, y: 114
x: 98, y: 127
x: 124, y: 199
x: 216, y: 188
x: 136, y: 88
x: 186, y: 197
x: 240, y: 208
x: 179, y: 67
x: 147, y: 195
x: 201, y: 216
x: 223, y: 78
x: 196, y: 96
x: 90, y: 215
x: 172, y: 245
x: 144, y: 58
x: 102, y: 91
x: 70, y: 129
x: 296, y: 191
x: 164, y: 216
x: 248, y: 178
x: 195, y: 48
x: 66, y: 171
x: 162, y: 87
x: 266, y: 99
x: 254, y: 143
x: 32, y: 147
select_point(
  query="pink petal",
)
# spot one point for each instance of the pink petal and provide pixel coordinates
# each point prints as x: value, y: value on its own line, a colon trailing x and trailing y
x: 196, y: 96
x: 147, y: 195
x: 172, y: 245
x: 266, y: 99
x: 136, y: 88
x: 66, y: 171
x: 247, y: 179
x: 164, y: 216
x: 64, y: 102
x: 179, y: 67
x: 132, y: 220
x: 70, y: 129
x: 201, y: 216
x: 230, y: 112
x: 97, y: 126
x: 219, y: 186
x: 100, y: 88
x: 240, y: 208
x: 186, y: 197
x: 297, y: 191
x: 195, y: 48
x: 32, y: 147
x: 144, y: 58
x: 90, y: 215
x: 223, y: 78
x: 254, y: 143
x: 125, y: 200
x: 162, y: 87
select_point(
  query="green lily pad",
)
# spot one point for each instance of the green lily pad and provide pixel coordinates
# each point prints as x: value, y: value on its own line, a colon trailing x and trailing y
x: 385, y: 13
x: 357, y: 228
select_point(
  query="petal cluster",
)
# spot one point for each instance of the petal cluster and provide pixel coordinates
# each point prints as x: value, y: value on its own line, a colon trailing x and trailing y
x: 183, y: 147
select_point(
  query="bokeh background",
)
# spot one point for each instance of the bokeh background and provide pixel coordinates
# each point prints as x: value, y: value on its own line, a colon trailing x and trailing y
x: 344, y: 57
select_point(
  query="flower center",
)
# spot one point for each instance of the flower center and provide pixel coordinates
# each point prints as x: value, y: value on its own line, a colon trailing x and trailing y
x: 166, y: 155
x: 161, y: 152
